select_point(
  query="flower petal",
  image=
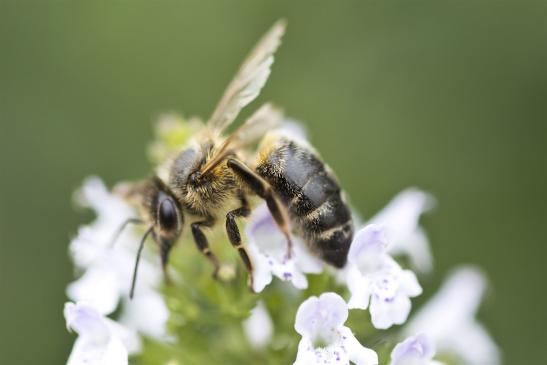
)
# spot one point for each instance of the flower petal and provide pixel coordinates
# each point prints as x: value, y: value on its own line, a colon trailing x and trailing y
x: 309, y: 355
x: 473, y: 344
x: 89, y: 353
x: 371, y: 272
x: 367, y: 247
x: 456, y: 302
x: 401, y: 215
x: 408, y: 284
x: 128, y: 336
x: 414, y: 350
x: 359, y: 287
x: 449, y: 319
x: 358, y: 354
x: 97, y: 330
x: 416, y: 246
x: 258, y: 327
x: 306, y: 353
x: 99, y: 288
x: 320, y: 316
x: 386, y: 283
x: 262, y: 273
x: 146, y: 313
x: 342, y: 350
x: 387, y: 312
x: 86, y: 321
x: 268, y: 251
x: 109, y: 207
x: 263, y: 232
x: 93, y: 239
x: 400, y: 219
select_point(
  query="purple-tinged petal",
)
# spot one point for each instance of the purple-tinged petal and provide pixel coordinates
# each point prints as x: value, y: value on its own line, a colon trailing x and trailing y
x: 414, y: 350
x: 389, y: 311
x: 317, y: 318
x: 368, y: 248
x: 401, y: 215
x: 268, y: 250
x: 96, y: 329
x: 86, y: 321
x: 358, y: 354
x: 400, y: 219
x: 449, y: 319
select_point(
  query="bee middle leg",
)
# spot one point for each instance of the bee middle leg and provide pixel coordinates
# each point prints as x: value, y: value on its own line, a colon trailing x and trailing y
x: 203, y: 244
x: 235, y: 237
x: 261, y: 188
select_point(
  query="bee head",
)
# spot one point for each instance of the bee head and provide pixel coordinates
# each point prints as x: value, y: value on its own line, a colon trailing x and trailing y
x: 159, y: 210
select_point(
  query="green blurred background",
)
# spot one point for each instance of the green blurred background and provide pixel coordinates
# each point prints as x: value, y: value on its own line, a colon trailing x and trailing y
x: 446, y: 96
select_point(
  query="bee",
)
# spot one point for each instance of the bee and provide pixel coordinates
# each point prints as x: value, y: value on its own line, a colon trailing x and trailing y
x: 212, y: 178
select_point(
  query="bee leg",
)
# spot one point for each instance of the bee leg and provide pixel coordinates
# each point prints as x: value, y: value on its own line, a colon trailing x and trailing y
x: 203, y: 244
x: 261, y: 188
x: 235, y: 237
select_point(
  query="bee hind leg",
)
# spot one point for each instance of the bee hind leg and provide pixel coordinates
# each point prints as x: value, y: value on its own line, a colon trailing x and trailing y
x: 261, y: 188
x: 203, y: 245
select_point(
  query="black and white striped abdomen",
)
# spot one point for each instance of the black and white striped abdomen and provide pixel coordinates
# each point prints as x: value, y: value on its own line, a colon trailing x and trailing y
x: 312, y: 196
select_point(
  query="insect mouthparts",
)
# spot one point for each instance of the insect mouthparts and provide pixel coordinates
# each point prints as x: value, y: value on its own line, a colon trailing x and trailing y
x: 194, y: 177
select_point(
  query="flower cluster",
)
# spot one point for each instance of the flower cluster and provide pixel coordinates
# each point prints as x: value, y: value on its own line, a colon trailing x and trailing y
x: 105, y: 269
x: 303, y: 311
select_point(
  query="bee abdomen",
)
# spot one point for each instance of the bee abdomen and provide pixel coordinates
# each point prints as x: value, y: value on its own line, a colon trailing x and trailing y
x: 313, y: 198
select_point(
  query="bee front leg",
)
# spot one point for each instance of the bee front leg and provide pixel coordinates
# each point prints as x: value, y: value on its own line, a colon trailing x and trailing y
x: 203, y: 244
x: 261, y: 188
x: 235, y: 237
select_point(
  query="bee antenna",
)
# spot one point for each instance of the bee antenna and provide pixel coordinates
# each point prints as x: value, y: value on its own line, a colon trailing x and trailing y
x: 141, y: 246
x: 120, y: 229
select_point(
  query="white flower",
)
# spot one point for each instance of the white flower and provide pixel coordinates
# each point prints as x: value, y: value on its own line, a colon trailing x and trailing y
x: 449, y: 320
x: 93, y: 238
x: 268, y: 250
x: 415, y: 350
x: 101, y: 341
x: 372, y: 275
x: 107, y: 270
x: 258, y: 327
x: 400, y: 218
x: 146, y: 313
x: 325, y: 339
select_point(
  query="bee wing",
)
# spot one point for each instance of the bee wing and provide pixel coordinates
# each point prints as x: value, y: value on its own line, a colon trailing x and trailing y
x: 266, y: 118
x: 249, y: 79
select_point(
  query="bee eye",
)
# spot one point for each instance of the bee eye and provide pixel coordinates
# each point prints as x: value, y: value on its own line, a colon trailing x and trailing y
x: 167, y: 215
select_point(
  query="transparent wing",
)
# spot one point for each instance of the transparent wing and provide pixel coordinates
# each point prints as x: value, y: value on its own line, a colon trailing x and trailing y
x: 266, y: 118
x: 248, y: 81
